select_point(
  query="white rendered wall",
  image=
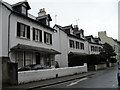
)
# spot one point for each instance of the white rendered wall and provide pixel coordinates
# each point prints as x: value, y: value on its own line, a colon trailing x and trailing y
x: 5, y: 14
x: 14, y: 40
x: 60, y: 44
x: 85, y: 51
x: 100, y: 66
x: 36, y: 75
x: 94, y: 52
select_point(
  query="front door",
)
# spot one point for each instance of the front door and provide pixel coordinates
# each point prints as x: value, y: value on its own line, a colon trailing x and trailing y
x: 37, y: 58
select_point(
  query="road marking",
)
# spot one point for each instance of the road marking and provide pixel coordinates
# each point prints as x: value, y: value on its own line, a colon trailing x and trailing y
x: 71, y: 84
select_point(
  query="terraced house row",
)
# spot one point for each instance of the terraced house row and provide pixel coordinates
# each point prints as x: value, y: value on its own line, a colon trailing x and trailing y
x: 27, y: 39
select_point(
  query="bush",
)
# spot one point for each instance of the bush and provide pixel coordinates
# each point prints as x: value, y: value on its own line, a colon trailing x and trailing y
x: 95, y: 59
x: 76, y: 60
x: 113, y: 60
x: 92, y: 59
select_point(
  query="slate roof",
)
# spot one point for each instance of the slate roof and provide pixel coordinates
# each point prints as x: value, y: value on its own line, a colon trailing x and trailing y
x: 22, y: 2
x: 10, y: 7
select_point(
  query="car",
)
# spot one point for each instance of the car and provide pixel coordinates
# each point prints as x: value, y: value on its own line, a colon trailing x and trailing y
x: 118, y: 76
x: 33, y: 67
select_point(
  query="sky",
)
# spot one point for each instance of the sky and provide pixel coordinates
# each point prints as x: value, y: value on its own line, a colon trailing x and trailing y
x: 90, y: 15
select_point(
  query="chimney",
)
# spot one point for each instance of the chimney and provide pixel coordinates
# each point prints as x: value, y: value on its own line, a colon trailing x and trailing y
x: 41, y: 12
x: 76, y: 28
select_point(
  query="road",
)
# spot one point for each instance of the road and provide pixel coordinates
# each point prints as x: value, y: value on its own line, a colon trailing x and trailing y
x: 103, y: 79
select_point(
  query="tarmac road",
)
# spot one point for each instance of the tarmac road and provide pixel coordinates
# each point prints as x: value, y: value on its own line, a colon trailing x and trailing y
x: 103, y: 79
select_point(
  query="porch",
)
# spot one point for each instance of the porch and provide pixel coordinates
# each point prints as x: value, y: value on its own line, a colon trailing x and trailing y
x: 27, y: 55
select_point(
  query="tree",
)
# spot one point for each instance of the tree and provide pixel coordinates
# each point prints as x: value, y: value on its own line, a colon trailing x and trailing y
x: 107, y: 51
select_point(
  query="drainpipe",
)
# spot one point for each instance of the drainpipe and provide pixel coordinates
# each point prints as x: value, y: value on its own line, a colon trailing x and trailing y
x: 9, y: 32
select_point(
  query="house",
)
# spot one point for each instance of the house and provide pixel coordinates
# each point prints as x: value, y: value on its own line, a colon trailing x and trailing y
x: 94, y: 44
x: 105, y: 39
x: 26, y: 39
x: 69, y: 41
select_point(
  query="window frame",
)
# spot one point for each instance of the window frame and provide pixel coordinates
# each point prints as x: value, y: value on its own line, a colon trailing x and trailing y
x: 24, y: 10
x: 23, y: 30
x: 37, y: 34
x: 81, y: 46
x: 71, y: 43
x: 77, y: 45
x: 47, y: 38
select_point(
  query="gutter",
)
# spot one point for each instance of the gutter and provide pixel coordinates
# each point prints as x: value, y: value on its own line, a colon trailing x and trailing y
x: 9, y: 32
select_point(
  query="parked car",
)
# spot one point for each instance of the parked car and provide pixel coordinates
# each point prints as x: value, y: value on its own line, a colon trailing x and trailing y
x: 118, y: 76
x: 33, y: 67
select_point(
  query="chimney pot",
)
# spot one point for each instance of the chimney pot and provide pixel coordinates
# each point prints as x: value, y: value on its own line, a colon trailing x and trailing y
x: 41, y: 12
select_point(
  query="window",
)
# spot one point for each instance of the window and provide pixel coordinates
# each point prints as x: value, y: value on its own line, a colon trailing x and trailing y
x: 24, y: 10
x: 71, y: 43
x: 27, y: 58
x: 23, y: 58
x: 37, y: 35
x: 47, y: 38
x: 23, y: 30
x: 96, y: 49
x: 77, y: 45
x: 100, y: 49
x: 82, y: 46
x: 20, y: 59
x: 92, y: 48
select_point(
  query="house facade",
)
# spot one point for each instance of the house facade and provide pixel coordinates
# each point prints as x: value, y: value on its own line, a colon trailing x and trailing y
x: 71, y: 41
x: 94, y: 44
x: 25, y: 39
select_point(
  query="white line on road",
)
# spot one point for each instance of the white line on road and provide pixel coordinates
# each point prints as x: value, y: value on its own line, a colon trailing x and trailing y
x: 71, y: 84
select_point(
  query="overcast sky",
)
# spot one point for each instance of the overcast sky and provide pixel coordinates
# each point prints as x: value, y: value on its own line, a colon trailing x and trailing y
x: 90, y: 15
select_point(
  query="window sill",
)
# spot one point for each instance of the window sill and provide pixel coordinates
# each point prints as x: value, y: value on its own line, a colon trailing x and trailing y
x: 37, y: 41
x: 48, y: 44
x: 23, y: 38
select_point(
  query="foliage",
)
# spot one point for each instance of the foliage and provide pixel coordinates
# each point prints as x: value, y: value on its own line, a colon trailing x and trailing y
x: 107, y: 51
x: 76, y: 60
x: 95, y: 59
x: 113, y: 60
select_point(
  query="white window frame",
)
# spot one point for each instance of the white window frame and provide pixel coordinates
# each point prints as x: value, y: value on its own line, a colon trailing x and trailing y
x: 47, y: 38
x: 24, y: 10
x: 23, y: 31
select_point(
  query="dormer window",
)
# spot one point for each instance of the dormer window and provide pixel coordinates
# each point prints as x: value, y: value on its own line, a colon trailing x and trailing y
x: 24, y: 10
x: 21, y: 7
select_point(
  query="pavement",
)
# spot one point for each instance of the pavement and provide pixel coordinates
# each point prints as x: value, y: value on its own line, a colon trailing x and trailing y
x: 44, y: 83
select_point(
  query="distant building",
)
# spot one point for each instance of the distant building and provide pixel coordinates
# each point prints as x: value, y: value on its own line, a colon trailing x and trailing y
x: 114, y: 43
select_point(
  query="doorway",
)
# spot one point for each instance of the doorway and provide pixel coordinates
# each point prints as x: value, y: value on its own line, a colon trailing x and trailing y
x: 37, y: 58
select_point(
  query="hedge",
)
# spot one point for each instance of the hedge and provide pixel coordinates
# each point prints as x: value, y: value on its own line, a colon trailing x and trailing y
x: 93, y: 59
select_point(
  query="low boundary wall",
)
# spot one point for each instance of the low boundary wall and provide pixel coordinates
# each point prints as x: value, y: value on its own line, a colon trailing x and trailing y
x: 36, y: 75
x: 100, y: 66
